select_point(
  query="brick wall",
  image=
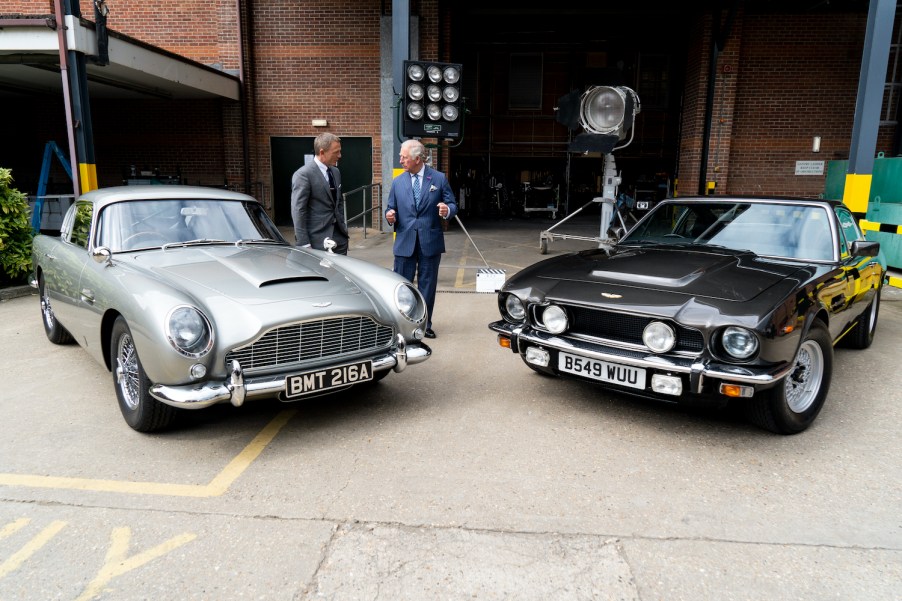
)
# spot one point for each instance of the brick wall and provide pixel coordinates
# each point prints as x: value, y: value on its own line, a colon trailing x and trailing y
x: 26, y: 7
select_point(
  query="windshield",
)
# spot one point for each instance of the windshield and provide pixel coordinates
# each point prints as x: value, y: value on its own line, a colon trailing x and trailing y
x: 767, y: 229
x: 138, y: 224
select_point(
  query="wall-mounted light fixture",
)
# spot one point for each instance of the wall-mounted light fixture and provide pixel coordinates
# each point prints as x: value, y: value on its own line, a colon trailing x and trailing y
x: 320, y: 123
x: 816, y: 144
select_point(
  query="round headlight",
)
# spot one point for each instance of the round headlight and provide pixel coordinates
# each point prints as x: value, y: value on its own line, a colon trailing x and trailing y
x: 659, y: 337
x: 555, y: 319
x: 434, y: 73
x: 189, y: 331
x: 740, y: 343
x: 415, y: 91
x: 434, y: 93
x: 433, y: 111
x: 415, y: 110
x: 410, y: 303
x: 451, y: 94
x: 415, y: 72
x: 450, y: 112
x: 514, y: 308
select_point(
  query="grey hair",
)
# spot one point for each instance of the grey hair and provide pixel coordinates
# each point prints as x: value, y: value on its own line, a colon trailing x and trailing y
x: 415, y: 149
x: 323, y: 142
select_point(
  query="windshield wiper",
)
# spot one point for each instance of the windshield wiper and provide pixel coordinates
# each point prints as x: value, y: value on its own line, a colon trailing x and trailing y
x: 196, y: 242
x: 259, y: 241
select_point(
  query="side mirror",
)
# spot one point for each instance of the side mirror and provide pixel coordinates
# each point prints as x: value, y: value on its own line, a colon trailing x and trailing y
x: 102, y: 254
x: 329, y: 244
x: 865, y: 248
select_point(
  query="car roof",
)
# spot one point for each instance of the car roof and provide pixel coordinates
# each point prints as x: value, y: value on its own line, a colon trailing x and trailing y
x: 105, y: 196
x: 745, y: 198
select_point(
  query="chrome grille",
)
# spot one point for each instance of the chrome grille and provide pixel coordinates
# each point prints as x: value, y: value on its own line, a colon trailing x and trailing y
x: 312, y: 340
x: 620, y: 327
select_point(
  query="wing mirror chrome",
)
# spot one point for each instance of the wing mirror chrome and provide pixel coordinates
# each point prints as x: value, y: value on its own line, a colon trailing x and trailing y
x: 329, y: 244
x: 102, y: 254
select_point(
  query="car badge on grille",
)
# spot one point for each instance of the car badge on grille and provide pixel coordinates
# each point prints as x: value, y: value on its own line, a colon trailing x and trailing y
x: 322, y: 304
x: 611, y: 295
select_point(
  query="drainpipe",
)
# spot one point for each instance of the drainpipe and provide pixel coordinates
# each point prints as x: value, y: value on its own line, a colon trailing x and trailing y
x: 718, y: 41
x: 67, y: 101
x: 245, y: 151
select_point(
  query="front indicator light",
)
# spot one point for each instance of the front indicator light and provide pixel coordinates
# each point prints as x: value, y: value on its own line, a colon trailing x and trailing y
x: 737, y: 391
x: 671, y: 385
x: 538, y: 356
x: 504, y: 341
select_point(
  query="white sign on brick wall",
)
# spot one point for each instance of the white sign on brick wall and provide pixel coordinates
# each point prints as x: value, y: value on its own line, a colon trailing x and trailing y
x: 809, y: 167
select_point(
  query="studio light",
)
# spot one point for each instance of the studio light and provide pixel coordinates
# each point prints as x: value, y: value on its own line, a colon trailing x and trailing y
x: 431, y: 106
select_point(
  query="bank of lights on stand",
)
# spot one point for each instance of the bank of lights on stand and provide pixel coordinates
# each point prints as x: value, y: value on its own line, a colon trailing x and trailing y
x: 432, y: 102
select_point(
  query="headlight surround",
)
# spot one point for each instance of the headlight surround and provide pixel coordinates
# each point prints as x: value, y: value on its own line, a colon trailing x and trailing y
x: 189, y: 331
x: 410, y: 303
x: 555, y: 319
x: 739, y: 343
x: 659, y: 337
x: 512, y: 308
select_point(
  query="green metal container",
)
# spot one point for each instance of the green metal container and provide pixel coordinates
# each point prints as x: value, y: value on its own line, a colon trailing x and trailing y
x: 884, y: 202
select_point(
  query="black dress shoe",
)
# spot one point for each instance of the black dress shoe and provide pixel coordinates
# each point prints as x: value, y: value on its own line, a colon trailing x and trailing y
x: 429, y: 333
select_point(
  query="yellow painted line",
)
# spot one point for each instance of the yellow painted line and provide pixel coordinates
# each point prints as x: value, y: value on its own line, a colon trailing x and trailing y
x: 895, y: 282
x: 13, y: 527
x: 215, y: 488
x: 34, y: 545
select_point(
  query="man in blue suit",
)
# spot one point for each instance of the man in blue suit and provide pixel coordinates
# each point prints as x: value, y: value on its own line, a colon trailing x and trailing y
x: 418, y: 201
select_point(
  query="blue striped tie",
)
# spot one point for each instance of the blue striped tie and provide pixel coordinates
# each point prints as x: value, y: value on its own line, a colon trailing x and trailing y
x: 416, y: 190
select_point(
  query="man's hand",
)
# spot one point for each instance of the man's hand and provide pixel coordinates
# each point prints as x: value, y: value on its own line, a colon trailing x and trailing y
x: 390, y: 216
x: 443, y: 210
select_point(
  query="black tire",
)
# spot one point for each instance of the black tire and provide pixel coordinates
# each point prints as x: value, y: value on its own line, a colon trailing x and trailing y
x: 141, y: 411
x: 55, y: 331
x: 862, y: 335
x: 792, y: 405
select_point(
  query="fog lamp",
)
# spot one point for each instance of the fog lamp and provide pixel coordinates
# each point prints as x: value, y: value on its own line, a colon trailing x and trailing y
x: 538, y: 356
x: 671, y: 385
x: 198, y: 371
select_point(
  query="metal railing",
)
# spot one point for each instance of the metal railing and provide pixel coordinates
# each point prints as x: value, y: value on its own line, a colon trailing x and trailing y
x: 373, y: 194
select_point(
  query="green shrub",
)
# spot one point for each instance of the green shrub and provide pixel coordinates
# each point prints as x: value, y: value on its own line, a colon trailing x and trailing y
x: 15, y: 232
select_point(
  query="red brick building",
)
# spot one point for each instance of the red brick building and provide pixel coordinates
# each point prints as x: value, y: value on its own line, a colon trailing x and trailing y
x: 784, y: 76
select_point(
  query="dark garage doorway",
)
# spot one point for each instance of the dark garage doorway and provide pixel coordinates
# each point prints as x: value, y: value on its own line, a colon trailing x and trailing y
x: 356, y: 167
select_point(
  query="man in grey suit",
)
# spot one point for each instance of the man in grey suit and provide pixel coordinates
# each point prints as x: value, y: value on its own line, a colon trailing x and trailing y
x: 419, y: 200
x: 317, y: 206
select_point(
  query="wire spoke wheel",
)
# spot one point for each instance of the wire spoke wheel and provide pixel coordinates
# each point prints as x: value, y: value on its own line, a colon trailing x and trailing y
x: 127, y: 371
x: 804, y: 383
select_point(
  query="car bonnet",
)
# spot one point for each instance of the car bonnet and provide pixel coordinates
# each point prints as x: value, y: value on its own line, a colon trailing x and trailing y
x: 704, y: 273
x: 249, y: 274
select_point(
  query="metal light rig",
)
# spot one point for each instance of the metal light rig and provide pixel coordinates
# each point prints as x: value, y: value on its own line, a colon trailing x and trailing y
x: 606, y: 114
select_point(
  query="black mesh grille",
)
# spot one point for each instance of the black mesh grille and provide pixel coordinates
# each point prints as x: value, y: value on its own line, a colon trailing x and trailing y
x: 627, y: 328
x: 312, y: 340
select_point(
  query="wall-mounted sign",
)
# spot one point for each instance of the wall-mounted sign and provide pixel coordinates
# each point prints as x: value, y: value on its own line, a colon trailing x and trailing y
x: 809, y: 167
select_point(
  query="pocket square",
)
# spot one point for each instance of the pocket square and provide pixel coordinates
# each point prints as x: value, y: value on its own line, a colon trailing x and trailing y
x: 432, y: 188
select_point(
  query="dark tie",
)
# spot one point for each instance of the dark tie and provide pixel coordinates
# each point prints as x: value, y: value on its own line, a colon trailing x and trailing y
x: 332, y: 190
x: 416, y: 190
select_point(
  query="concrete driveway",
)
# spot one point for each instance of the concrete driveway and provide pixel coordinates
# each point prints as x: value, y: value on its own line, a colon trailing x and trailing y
x: 466, y: 477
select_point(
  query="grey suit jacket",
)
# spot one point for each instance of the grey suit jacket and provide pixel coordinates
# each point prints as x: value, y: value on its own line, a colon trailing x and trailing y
x: 316, y: 216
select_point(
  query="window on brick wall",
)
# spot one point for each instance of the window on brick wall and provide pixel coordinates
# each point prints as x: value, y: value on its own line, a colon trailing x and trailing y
x: 525, y: 83
x: 654, y: 81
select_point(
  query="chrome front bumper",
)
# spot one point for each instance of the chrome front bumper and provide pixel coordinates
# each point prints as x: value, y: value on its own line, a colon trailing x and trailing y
x: 238, y: 388
x: 696, y: 369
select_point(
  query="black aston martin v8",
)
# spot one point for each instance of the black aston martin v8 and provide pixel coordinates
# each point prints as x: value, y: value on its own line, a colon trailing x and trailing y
x: 706, y: 299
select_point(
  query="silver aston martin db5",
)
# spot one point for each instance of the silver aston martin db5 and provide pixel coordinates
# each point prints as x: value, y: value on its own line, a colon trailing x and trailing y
x: 190, y: 296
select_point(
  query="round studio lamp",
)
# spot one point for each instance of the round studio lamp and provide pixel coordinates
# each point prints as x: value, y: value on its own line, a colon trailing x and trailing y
x: 608, y: 110
x: 451, y: 94
x: 433, y: 111
x: 415, y: 111
x: 415, y: 72
x: 434, y: 93
x: 415, y: 91
x: 451, y: 75
x: 434, y: 73
x: 450, y: 112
